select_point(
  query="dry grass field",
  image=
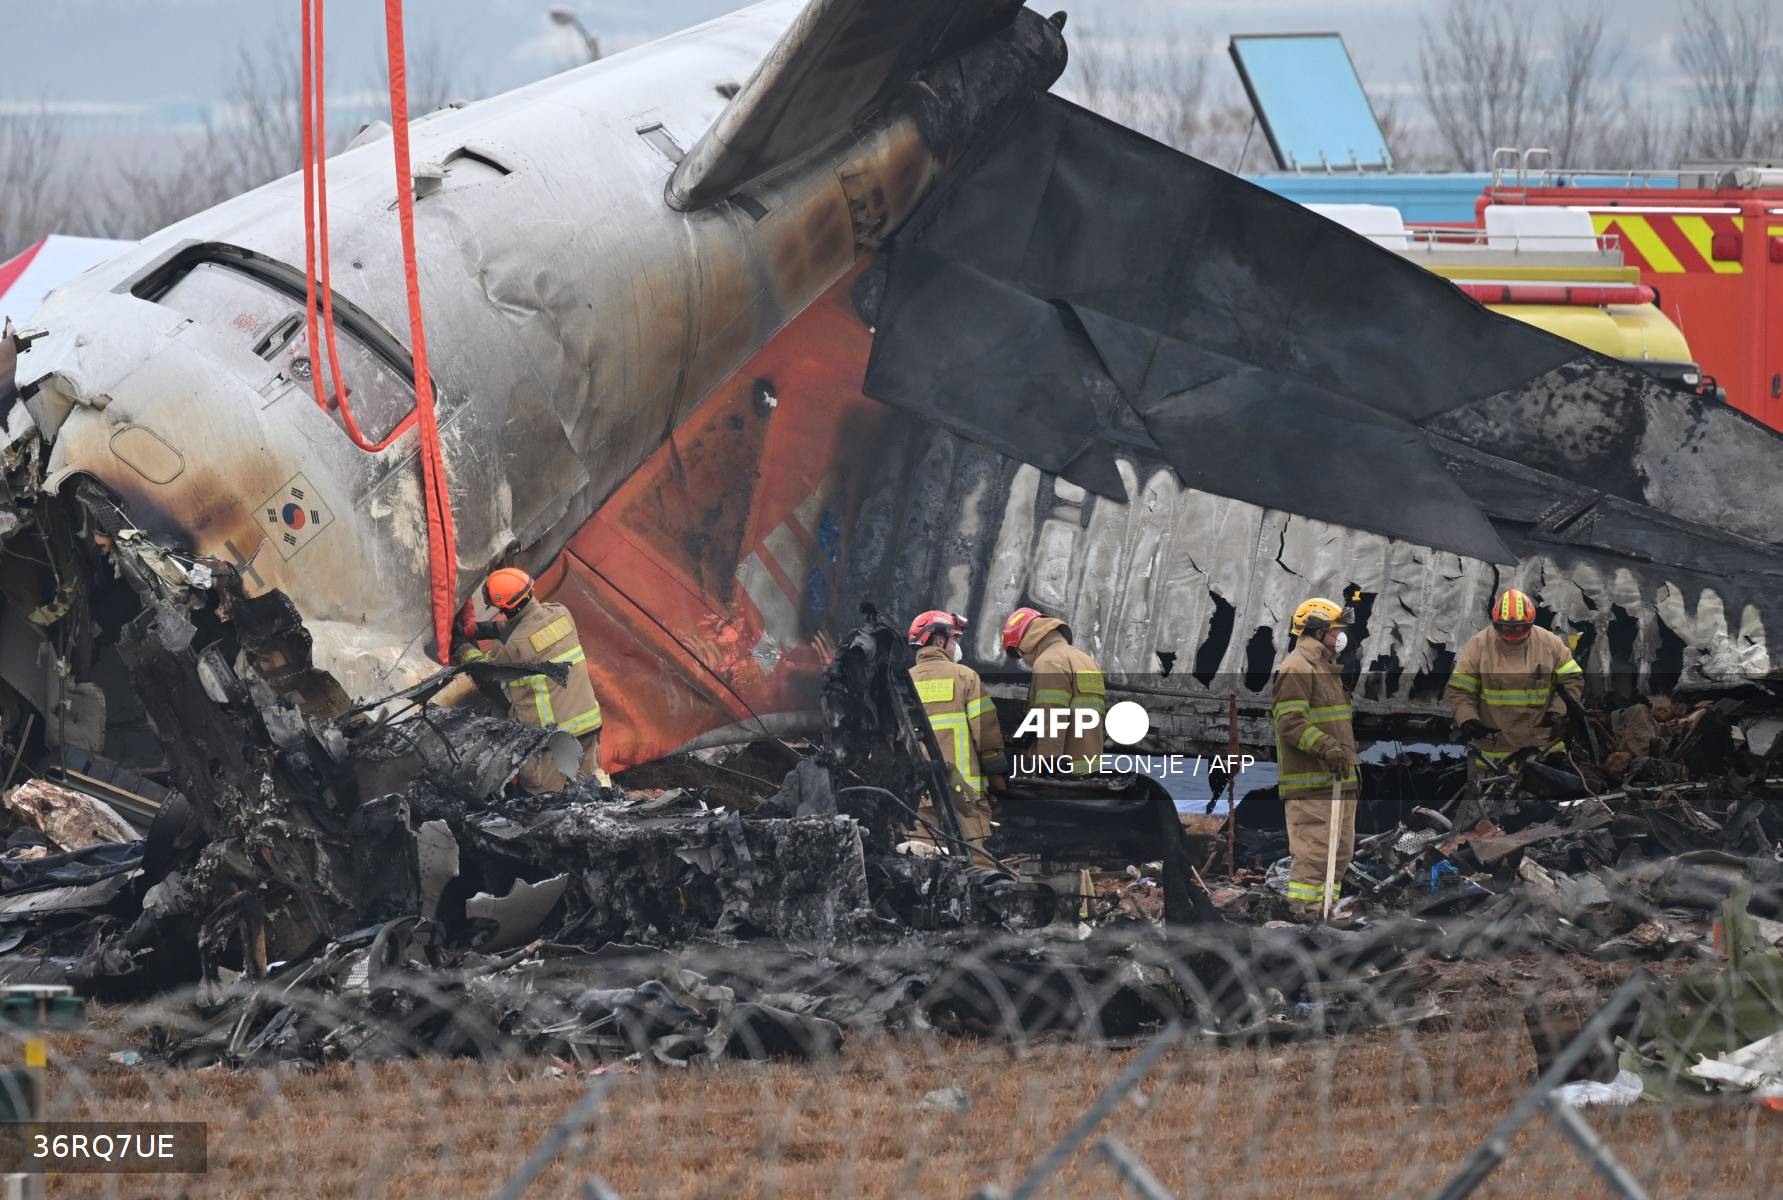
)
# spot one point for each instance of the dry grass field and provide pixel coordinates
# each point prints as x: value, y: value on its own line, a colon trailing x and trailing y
x: 1382, y: 1114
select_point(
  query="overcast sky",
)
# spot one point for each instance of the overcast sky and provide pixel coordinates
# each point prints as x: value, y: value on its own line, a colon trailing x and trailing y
x: 127, y: 64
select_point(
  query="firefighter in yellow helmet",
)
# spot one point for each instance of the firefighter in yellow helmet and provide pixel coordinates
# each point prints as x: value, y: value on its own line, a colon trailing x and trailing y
x: 1315, y: 746
x: 965, y: 723
x: 531, y: 630
x: 1061, y: 677
x: 1506, y: 689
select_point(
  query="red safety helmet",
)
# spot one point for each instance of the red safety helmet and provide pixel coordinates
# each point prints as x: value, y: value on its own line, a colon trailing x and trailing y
x: 924, y: 628
x: 507, y: 588
x: 1016, y: 628
x: 1513, y: 615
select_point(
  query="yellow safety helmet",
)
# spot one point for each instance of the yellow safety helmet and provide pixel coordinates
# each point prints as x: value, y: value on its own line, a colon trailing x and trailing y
x: 1317, y: 615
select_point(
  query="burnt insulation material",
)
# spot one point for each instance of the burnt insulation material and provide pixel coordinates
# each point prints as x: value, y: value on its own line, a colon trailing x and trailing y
x: 677, y: 877
x: 1277, y: 358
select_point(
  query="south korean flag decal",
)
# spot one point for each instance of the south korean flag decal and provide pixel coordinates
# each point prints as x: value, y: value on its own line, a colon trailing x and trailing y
x: 293, y: 516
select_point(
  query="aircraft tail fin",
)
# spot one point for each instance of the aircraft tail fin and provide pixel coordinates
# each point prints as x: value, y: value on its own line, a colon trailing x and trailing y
x: 839, y: 58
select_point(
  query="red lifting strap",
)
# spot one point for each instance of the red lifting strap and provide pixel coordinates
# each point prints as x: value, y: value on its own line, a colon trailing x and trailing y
x: 442, y: 550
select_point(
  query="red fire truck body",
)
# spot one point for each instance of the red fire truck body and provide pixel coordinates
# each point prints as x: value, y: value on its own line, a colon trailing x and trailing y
x: 1709, y: 241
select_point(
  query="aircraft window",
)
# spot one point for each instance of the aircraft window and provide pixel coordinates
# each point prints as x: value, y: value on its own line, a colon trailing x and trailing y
x: 271, y: 323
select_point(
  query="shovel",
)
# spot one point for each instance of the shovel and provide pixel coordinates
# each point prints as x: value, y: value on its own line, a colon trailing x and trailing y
x: 1331, y: 835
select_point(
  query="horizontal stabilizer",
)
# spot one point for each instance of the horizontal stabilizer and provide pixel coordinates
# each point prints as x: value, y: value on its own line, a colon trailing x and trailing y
x: 1074, y: 286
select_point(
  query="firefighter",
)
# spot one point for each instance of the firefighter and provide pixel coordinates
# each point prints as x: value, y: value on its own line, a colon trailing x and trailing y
x: 531, y: 630
x: 964, y: 721
x: 1061, y: 677
x: 1506, y: 692
x: 1315, y: 746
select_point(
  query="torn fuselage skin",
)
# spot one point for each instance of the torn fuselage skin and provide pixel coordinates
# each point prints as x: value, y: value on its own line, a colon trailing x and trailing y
x: 1208, y: 580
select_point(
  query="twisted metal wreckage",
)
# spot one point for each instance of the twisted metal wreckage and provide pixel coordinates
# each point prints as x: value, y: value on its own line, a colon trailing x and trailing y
x: 814, y: 305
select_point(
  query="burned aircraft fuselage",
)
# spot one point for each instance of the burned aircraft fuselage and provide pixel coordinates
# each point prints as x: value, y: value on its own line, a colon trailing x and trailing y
x: 575, y: 319
x: 825, y: 303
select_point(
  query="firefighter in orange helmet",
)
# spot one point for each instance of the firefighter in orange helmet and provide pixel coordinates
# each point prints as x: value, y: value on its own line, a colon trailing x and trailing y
x: 1061, y: 677
x: 530, y: 630
x: 964, y: 720
x: 1506, y: 692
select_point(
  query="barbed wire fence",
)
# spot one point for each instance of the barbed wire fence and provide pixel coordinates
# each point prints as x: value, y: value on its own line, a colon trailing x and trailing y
x: 1411, y: 1058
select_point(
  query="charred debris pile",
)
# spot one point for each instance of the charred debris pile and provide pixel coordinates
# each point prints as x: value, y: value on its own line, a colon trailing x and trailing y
x: 1625, y: 846
x: 326, y: 880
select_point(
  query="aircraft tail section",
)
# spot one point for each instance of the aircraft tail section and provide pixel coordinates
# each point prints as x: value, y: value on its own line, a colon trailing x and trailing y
x: 839, y: 59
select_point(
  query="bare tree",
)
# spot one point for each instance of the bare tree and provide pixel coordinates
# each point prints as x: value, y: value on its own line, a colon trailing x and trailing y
x: 435, y: 70
x: 254, y: 135
x: 1582, y: 110
x: 1157, y: 86
x: 35, y: 186
x: 1725, y: 49
x: 1643, y: 130
x: 1480, y: 79
x: 1399, y: 132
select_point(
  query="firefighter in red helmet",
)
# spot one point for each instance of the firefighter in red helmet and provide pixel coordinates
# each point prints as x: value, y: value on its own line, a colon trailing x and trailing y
x: 964, y: 720
x: 531, y: 630
x: 1060, y: 677
x: 1507, y: 692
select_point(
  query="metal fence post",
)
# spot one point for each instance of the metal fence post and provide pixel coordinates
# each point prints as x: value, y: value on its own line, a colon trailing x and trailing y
x: 1486, y: 1157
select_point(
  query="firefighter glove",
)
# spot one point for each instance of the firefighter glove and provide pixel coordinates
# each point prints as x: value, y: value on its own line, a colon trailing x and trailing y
x: 464, y: 624
x: 1473, y: 729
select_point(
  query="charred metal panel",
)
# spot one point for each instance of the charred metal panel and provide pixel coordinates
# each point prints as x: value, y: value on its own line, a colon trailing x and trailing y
x: 703, y: 585
x: 1155, y: 575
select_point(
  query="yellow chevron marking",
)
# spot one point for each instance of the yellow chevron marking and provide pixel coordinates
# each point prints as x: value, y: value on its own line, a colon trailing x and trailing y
x: 1702, y: 238
x: 1638, y: 233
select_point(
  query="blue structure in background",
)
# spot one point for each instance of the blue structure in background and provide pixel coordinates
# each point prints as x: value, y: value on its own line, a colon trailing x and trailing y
x: 1418, y: 198
x: 1309, y: 101
x: 1313, y: 111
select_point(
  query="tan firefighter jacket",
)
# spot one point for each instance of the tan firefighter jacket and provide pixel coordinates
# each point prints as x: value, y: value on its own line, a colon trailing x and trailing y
x: 1509, y: 685
x: 1314, y: 739
x: 963, y: 718
x: 544, y: 632
x: 1062, y: 676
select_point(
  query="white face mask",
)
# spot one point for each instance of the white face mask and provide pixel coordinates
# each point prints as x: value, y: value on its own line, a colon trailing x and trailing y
x: 958, y: 654
x: 1343, y: 639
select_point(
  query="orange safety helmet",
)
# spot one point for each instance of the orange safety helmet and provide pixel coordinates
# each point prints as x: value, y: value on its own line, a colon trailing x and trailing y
x: 1016, y: 628
x: 922, y: 630
x: 507, y: 588
x: 1513, y: 615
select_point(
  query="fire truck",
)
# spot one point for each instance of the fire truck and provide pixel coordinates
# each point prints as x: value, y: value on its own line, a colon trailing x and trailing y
x: 1705, y: 238
x: 1548, y: 267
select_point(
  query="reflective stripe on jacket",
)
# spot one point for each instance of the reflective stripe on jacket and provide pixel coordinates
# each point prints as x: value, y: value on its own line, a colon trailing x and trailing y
x: 963, y: 717
x: 1063, y: 677
x: 1312, y: 716
x: 1508, y: 686
x: 545, y: 632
